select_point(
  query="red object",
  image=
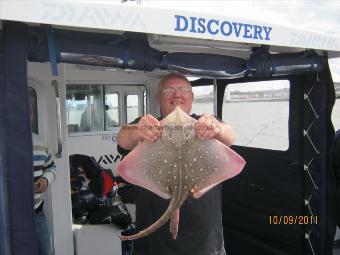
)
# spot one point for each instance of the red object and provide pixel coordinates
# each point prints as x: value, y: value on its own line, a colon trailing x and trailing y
x: 109, y: 183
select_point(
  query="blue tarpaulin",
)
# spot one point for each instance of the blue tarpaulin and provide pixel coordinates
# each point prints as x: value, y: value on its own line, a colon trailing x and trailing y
x: 16, y: 177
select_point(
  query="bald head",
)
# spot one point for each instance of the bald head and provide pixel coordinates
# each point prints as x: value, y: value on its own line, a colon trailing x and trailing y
x: 174, y: 90
x: 170, y: 76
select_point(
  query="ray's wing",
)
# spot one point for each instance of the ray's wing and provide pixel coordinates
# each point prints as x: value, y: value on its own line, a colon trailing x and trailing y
x: 149, y: 165
x: 209, y: 163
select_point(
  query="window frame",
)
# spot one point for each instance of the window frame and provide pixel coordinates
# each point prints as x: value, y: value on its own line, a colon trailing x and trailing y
x: 287, y: 134
x: 121, y: 89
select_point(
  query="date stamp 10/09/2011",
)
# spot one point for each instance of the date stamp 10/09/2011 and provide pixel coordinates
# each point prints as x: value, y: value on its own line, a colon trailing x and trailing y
x: 292, y: 220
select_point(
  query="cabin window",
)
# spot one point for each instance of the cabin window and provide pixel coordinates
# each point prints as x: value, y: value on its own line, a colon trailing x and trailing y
x: 259, y: 112
x: 132, y: 107
x: 32, y: 96
x: 203, y: 100
x: 96, y: 108
x: 84, y: 108
x: 111, y: 111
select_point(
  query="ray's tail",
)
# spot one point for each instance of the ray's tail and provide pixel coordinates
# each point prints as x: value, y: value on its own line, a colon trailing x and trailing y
x: 174, y: 204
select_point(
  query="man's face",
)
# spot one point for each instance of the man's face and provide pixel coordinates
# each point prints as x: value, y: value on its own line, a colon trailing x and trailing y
x: 175, y: 92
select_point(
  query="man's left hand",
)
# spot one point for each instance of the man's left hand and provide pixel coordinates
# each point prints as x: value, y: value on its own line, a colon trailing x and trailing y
x: 41, y: 185
x: 207, y: 127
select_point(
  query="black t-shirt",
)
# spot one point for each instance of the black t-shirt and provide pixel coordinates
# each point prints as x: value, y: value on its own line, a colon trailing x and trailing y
x: 200, y: 230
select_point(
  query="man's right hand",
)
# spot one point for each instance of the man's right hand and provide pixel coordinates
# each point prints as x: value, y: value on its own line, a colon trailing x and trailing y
x: 149, y: 128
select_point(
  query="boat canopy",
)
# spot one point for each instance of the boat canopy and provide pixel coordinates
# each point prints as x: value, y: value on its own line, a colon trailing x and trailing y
x: 165, y: 24
x: 132, y: 51
x: 107, y: 34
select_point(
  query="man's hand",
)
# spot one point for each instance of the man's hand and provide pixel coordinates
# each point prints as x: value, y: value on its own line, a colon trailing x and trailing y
x: 207, y: 127
x: 40, y: 185
x: 149, y: 128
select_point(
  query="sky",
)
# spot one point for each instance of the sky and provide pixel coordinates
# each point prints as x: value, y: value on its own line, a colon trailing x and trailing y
x: 322, y: 16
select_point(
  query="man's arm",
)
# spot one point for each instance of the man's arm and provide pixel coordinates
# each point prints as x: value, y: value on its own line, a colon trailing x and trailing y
x: 208, y: 127
x: 49, y: 173
x: 147, y: 128
x: 226, y: 134
x: 128, y: 137
x: 49, y: 168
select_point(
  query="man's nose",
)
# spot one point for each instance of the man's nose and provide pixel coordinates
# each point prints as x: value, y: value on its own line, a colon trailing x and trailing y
x: 176, y: 93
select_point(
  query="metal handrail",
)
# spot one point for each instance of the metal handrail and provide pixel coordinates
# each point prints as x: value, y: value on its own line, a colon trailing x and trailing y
x: 59, y: 134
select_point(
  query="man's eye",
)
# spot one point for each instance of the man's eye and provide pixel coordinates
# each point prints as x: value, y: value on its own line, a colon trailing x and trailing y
x: 168, y: 90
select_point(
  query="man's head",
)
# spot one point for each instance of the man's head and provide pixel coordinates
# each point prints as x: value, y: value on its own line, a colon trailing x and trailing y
x: 174, y: 90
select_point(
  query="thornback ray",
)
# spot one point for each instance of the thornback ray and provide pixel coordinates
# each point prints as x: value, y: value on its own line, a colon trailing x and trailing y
x: 178, y: 165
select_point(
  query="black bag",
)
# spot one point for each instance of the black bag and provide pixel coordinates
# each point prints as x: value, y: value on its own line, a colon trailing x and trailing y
x: 84, y: 203
x: 116, y: 214
x: 101, y: 181
x: 97, y: 202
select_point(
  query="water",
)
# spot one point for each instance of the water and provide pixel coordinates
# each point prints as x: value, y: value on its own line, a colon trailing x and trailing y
x: 260, y: 124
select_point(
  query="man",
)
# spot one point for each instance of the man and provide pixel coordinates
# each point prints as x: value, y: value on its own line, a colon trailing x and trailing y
x: 44, y: 172
x: 200, y: 226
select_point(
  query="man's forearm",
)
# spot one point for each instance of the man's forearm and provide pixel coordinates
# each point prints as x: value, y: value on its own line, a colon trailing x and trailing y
x: 127, y: 137
x: 226, y: 135
x: 49, y: 168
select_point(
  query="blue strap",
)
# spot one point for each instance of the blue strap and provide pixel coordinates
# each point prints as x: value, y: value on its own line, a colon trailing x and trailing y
x: 52, y: 52
x: 164, y: 61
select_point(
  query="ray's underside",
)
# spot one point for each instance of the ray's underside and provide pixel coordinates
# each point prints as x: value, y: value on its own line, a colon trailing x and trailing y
x: 177, y: 165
